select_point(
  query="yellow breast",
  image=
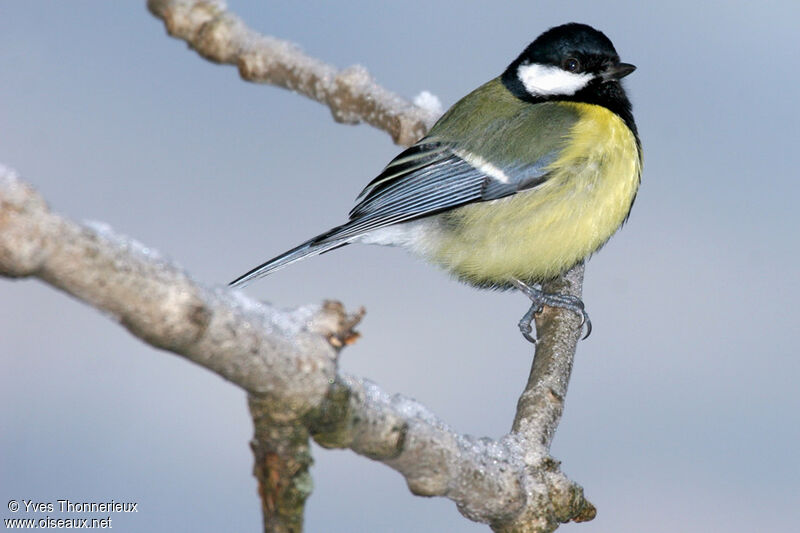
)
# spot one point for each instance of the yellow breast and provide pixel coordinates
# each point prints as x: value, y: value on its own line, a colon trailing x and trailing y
x: 535, y: 235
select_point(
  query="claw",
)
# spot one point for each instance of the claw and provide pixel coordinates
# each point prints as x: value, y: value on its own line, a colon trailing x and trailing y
x: 539, y: 299
x: 585, y: 320
x: 525, y: 323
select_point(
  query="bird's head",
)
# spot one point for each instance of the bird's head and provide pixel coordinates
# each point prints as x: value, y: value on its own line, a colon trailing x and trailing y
x: 572, y: 61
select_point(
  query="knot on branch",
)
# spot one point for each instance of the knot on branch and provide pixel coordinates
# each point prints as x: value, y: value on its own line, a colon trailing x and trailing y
x: 568, y: 500
x: 551, y: 499
x: 337, y: 325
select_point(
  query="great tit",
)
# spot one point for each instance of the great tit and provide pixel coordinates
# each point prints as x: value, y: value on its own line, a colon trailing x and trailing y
x: 522, y: 179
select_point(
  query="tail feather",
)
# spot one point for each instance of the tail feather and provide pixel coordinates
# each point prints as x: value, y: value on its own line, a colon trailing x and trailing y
x: 309, y: 248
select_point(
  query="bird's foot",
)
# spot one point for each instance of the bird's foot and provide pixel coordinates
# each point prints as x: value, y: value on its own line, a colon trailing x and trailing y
x: 539, y: 299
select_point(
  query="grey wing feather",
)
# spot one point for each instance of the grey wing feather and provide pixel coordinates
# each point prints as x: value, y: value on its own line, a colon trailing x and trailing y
x: 429, y: 178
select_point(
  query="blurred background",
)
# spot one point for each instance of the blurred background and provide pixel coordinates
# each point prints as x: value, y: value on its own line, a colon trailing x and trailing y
x: 682, y: 413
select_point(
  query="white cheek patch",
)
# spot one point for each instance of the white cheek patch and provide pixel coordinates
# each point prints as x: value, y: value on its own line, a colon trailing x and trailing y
x: 547, y: 80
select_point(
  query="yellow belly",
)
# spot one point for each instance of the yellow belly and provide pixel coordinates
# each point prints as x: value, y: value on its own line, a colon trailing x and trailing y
x: 536, y: 235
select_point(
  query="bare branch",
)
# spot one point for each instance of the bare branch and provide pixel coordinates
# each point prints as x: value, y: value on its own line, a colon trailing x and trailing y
x: 286, y: 360
x: 282, y: 459
x: 540, y: 407
x: 263, y: 350
x: 512, y: 483
x: 351, y: 94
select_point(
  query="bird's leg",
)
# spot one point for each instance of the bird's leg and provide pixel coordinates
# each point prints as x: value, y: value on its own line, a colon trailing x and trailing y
x: 539, y: 299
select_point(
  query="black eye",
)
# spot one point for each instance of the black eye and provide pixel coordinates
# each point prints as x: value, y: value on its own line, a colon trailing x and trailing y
x: 571, y: 64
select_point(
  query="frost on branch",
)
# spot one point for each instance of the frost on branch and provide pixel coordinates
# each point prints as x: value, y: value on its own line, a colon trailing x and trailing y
x: 351, y: 94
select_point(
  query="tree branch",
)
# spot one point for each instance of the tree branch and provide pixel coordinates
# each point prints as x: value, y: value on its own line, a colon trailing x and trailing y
x: 282, y: 459
x: 286, y: 360
x: 351, y: 94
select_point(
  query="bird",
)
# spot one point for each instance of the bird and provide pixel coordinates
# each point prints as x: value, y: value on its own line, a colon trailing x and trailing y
x: 519, y: 181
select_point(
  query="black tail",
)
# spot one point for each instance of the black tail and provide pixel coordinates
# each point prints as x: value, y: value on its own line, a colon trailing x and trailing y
x: 309, y: 248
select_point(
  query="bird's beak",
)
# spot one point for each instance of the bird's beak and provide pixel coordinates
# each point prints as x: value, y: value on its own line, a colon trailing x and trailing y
x: 618, y: 71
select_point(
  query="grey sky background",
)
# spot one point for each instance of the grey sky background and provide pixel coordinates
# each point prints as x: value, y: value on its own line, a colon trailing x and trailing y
x: 683, y: 408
